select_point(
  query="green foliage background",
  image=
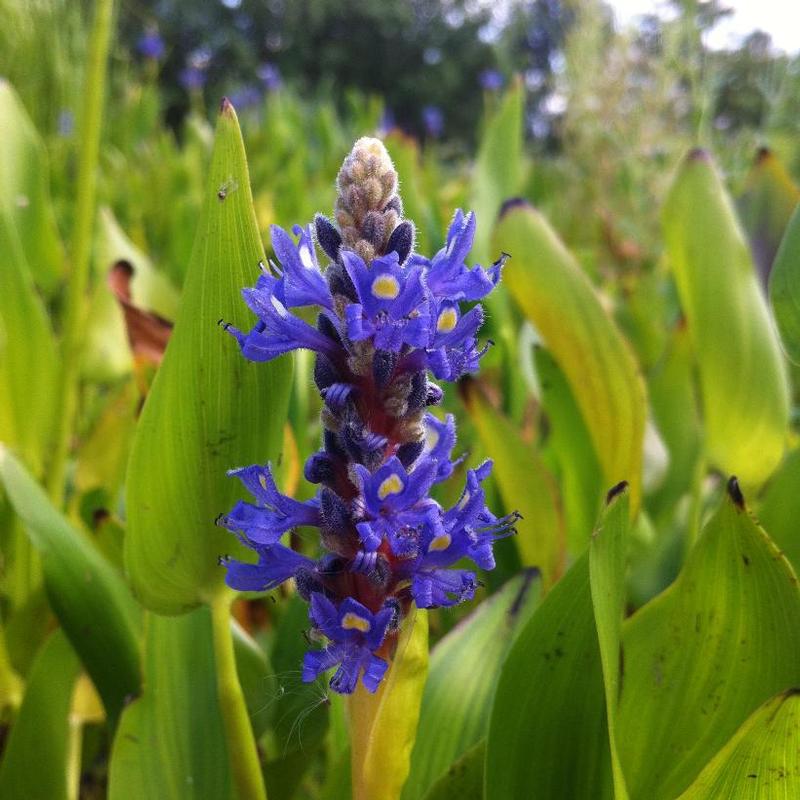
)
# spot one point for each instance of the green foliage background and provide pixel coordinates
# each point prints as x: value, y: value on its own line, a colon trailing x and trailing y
x: 643, y: 643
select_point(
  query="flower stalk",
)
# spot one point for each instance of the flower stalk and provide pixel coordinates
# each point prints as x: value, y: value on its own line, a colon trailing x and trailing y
x: 388, y: 320
x: 242, y: 750
x: 91, y: 121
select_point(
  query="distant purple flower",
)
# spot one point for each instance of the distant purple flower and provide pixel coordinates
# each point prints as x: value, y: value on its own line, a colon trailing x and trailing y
x: 491, y: 80
x: 270, y: 76
x: 387, y: 121
x: 433, y: 119
x: 66, y: 122
x: 192, y: 78
x: 387, y: 317
x: 246, y: 97
x: 151, y: 45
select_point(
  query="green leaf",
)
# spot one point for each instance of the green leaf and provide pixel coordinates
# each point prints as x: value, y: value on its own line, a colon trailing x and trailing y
x: 761, y: 761
x: 607, y: 553
x: 464, y: 668
x: 579, y: 472
x: 784, y: 288
x: 383, y: 724
x: 209, y: 409
x: 35, y: 763
x: 89, y: 598
x: 702, y: 656
x: 255, y: 678
x: 464, y: 778
x: 498, y: 172
x: 526, y: 486
x: 170, y: 743
x: 672, y: 398
x: 26, y: 195
x: 765, y: 207
x: 779, y: 508
x: 27, y: 356
x: 548, y: 733
x: 557, y: 297
x: 742, y: 377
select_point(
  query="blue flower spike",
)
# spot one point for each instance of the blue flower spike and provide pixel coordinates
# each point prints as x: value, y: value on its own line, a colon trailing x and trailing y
x: 387, y: 317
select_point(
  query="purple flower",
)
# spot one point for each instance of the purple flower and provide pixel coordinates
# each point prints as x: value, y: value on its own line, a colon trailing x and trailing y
x: 270, y: 76
x: 151, y: 45
x: 433, y: 119
x: 491, y: 80
x: 386, y: 318
x: 355, y: 633
x: 246, y: 97
x: 66, y: 122
x: 192, y: 78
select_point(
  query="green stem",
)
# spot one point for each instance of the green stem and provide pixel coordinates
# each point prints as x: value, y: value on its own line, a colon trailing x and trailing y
x: 75, y: 303
x: 242, y: 750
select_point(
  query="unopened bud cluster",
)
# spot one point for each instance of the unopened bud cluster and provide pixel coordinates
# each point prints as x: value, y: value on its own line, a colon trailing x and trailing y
x: 388, y: 318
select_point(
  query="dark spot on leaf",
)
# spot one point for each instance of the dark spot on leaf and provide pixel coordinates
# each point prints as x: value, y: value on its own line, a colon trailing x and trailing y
x: 615, y: 491
x: 511, y: 204
x: 698, y: 154
x: 527, y: 578
x: 746, y: 560
x: 735, y: 493
x: 752, y: 775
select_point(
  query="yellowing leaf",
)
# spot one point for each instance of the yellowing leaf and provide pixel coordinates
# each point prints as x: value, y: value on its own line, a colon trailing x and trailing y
x: 742, y: 376
x: 383, y: 725
x: 557, y: 297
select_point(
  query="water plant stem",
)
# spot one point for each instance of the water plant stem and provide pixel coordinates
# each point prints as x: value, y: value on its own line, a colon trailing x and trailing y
x: 242, y: 750
x: 90, y: 124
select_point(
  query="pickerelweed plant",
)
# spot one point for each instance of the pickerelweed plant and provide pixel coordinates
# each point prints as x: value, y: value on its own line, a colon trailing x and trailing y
x: 388, y: 317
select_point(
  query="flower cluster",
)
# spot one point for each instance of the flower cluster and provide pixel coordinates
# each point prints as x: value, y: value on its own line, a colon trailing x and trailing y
x: 387, y: 318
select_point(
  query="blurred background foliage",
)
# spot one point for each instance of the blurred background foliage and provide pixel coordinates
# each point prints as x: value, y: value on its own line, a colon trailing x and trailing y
x: 604, y: 367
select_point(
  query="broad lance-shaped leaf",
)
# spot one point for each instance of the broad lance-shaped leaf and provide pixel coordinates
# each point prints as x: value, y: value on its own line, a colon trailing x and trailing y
x: 498, y: 171
x: 765, y: 207
x: 526, y: 486
x: 27, y: 355
x: 464, y: 668
x: 779, y: 508
x: 784, y: 288
x: 557, y: 297
x: 464, y: 778
x: 548, y: 734
x: 90, y: 599
x: 570, y: 445
x: 383, y: 725
x: 761, y: 761
x: 26, y: 195
x: 170, y: 742
x: 35, y: 760
x: 607, y: 553
x: 742, y: 375
x: 674, y: 404
x: 209, y: 409
x: 706, y: 653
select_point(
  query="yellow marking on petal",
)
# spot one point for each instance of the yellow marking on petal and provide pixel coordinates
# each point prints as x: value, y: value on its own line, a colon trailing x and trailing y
x: 385, y: 287
x: 391, y: 485
x: 464, y: 500
x: 262, y: 479
x: 432, y: 437
x: 441, y: 542
x: 447, y: 320
x: 352, y: 622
